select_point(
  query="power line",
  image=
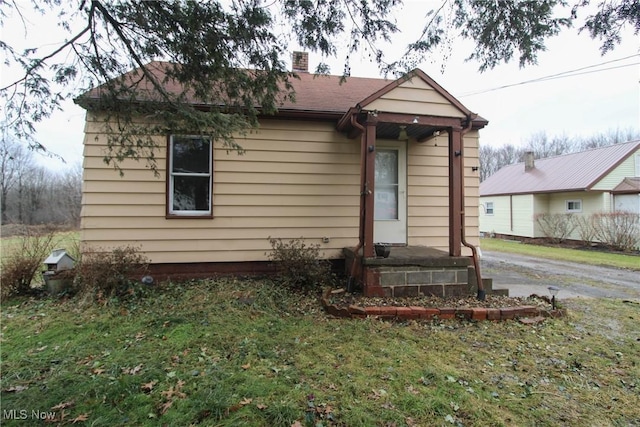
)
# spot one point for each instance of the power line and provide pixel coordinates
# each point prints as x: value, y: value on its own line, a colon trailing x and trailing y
x: 570, y: 73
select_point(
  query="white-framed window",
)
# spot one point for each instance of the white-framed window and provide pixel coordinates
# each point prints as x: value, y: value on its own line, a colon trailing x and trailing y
x: 573, y: 205
x: 488, y: 208
x: 190, y: 176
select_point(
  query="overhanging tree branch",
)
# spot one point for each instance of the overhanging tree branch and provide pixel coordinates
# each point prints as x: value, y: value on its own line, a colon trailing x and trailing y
x: 212, y: 46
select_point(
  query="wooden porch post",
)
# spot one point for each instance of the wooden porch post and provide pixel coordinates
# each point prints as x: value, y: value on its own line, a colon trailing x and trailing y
x: 455, y: 181
x: 370, y: 179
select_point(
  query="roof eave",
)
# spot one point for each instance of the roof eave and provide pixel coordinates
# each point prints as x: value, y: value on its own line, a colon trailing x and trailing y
x: 522, y: 193
x: 615, y: 165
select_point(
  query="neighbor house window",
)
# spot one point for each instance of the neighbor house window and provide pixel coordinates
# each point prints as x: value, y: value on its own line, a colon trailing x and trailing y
x: 189, y: 176
x: 488, y: 208
x: 574, y: 205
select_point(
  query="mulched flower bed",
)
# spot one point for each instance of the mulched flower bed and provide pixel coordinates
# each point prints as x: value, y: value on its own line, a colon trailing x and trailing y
x: 340, y: 297
x: 531, y: 310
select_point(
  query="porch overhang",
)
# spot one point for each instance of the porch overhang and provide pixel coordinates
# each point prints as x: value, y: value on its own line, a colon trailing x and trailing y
x: 374, y: 125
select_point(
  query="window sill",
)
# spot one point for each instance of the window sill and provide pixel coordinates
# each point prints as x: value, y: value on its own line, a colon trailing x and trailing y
x: 177, y: 216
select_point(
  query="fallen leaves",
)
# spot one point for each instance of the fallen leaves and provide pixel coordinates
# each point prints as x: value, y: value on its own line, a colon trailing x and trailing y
x: 132, y: 371
x: 175, y: 392
x: 15, y: 389
x: 377, y: 394
x: 245, y: 401
x: 148, y: 387
x: 171, y: 395
x: 63, y: 405
x: 412, y: 390
x: 80, y: 418
x: 86, y: 360
x: 59, y: 415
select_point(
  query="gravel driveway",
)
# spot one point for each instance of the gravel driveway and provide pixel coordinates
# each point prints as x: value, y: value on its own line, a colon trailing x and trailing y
x: 524, y: 275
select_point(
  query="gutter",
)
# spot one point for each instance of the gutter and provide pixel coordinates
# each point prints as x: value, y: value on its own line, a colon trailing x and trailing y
x: 363, y: 193
x: 474, y: 251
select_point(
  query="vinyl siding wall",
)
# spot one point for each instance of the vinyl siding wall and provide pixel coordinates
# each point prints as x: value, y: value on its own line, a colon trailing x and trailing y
x: 297, y: 179
x: 527, y: 206
x: 499, y: 221
x: 513, y: 215
x: 540, y: 206
x: 428, y: 192
x: 592, y: 202
x: 289, y: 184
x: 623, y: 170
x: 415, y: 96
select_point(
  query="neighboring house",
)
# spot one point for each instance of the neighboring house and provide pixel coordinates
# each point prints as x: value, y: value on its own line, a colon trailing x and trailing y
x: 348, y: 164
x: 594, y: 181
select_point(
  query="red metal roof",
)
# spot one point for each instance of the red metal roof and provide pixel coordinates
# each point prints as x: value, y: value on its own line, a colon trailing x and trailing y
x: 628, y: 186
x: 568, y: 172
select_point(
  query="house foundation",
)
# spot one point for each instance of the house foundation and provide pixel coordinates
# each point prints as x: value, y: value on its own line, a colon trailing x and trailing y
x: 411, y: 271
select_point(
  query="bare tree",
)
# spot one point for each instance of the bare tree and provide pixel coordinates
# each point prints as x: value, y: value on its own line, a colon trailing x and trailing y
x: 66, y: 196
x: 544, y: 146
x: 15, y: 161
x: 493, y: 159
x: 612, y: 136
x: 33, y: 189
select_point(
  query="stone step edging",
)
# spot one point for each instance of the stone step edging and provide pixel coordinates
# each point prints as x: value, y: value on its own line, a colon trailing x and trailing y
x: 440, y: 313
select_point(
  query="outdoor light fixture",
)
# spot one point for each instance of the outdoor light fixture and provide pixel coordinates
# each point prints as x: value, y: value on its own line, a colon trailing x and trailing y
x: 553, y: 290
x: 415, y: 120
x: 403, y: 133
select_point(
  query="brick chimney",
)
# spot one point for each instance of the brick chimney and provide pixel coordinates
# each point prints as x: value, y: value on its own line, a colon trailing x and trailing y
x: 300, y: 62
x: 529, y: 161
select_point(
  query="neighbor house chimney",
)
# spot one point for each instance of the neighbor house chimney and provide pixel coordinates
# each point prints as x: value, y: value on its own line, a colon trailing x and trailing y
x: 300, y: 62
x: 529, y: 162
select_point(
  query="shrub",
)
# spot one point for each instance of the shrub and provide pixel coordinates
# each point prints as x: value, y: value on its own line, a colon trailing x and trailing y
x: 586, y: 229
x: 20, y: 266
x: 299, y: 264
x: 104, y: 275
x: 556, y: 227
x: 618, y: 230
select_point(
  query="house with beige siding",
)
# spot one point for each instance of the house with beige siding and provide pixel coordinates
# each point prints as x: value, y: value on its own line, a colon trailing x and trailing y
x: 600, y: 180
x: 347, y: 165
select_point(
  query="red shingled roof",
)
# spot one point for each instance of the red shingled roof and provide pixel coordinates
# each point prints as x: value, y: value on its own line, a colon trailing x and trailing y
x: 568, y: 172
x: 327, y: 93
x: 317, y: 93
x: 313, y: 93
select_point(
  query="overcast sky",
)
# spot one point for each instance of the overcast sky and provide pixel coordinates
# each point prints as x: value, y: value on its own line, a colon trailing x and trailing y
x: 603, y: 93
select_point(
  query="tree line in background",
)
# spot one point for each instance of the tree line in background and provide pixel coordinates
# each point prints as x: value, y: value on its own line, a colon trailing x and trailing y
x: 543, y: 145
x: 32, y: 194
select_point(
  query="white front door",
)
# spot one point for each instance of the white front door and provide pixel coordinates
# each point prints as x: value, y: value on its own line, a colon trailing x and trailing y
x: 390, y: 212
